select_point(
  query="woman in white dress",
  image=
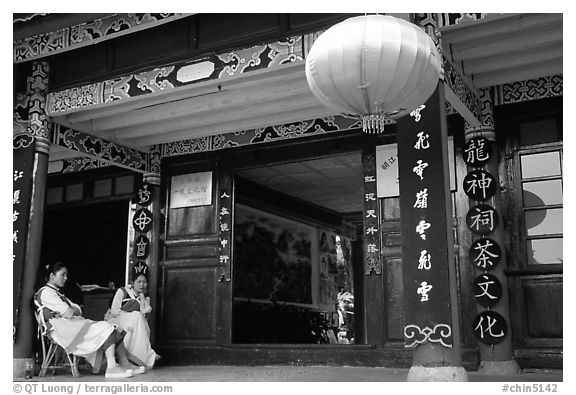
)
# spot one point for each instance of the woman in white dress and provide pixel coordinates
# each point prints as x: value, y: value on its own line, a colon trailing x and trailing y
x: 128, y: 310
x: 77, y: 335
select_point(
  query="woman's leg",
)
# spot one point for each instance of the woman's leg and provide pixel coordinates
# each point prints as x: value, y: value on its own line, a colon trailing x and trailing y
x: 113, y: 370
x: 123, y: 359
x: 110, y: 353
x: 121, y: 353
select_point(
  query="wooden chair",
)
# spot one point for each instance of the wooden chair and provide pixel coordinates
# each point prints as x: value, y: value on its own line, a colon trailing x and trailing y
x: 54, y: 356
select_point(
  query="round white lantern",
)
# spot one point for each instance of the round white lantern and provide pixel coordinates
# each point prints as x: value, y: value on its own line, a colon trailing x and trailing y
x: 373, y: 66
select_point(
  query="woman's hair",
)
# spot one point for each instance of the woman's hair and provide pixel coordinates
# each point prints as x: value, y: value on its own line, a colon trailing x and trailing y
x: 54, y: 268
x: 136, y: 275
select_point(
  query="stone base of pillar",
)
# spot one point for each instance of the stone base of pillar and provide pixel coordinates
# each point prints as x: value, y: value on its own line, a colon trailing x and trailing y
x: 22, y: 368
x: 440, y: 373
x: 499, y: 368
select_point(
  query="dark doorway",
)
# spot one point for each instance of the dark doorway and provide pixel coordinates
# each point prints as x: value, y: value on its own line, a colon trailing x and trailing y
x: 294, y: 271
x: 92, y: 241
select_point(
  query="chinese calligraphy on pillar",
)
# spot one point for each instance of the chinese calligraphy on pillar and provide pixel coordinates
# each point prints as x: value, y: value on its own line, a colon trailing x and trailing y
x: 142, y: 223
x: 479, y: 185
x: 372, y: 262
x: 487, y: 289
x: 23, y: 164
x: 225, y: 218
x: 424, y: 195
x: 485, y: 253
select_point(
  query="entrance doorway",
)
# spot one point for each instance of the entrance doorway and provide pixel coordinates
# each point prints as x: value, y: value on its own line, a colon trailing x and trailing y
x: 296, y: 272
x: 91, y: 239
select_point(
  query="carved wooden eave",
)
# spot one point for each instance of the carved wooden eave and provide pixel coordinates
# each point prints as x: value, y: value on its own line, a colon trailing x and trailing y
x: 51, y: 34
x: 102, y: 150
x: 506, y: 48
x: 215, y: 94
x: 250, y: 95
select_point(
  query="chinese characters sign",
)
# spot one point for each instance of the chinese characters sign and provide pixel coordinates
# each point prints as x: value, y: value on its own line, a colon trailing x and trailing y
x: 141, y: 247
x: 479, y: 185
x: 424, y: 198
x: 23, y: 164
x: 225, y: 217
x: 487, y: 290
x: 372, y: 262
x: 485, y: 253
x: 191, y: 190
x: 387, y: 166
x: 144, y: 195
x: 142, y: 222
x: 477, y: 151
x: 490, y: 327
x: 482, y: 219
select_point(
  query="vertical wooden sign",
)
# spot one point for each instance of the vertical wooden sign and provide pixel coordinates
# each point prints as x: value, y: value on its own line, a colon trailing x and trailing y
x: 424, y: 194
x: 23, y: 165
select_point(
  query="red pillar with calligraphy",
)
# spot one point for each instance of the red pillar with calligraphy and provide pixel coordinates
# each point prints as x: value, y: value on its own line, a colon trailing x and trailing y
x: 28, y: 224
x: 431, y: 327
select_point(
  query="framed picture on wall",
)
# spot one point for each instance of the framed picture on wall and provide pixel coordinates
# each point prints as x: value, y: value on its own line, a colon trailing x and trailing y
x: 275, y: 258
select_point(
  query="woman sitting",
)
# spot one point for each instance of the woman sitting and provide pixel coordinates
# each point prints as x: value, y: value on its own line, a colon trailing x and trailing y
x: 128, y: 310
x: 77, y: 335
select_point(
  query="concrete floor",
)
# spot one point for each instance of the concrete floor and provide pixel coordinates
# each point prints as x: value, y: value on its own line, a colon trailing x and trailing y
x: 284, y: 374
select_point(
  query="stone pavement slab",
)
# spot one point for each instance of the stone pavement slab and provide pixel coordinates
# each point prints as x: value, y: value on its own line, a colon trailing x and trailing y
x: 286, y: 374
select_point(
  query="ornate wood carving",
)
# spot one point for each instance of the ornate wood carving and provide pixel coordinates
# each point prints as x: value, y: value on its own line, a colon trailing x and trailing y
x: 102, y: 150
x: 77, y: 36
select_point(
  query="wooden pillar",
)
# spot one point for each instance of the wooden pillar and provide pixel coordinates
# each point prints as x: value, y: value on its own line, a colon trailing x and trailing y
x: 40, y: 130
x: 429, y: 273
x: 225, y: 212
x: 153, y: 182
x: 372, y: 271
x: 482, y: 157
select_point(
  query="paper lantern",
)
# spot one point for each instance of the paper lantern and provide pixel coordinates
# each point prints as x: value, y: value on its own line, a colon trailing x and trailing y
x: 376, y: 67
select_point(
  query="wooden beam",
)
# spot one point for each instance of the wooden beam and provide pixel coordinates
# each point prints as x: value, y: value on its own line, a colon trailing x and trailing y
x: 460, y: 107
x: 513, y: 59
x: 251, y: 111
x: 97, y: 148
x: 459, y: 92
x: 543, y: 68
x: 537, y: 38
x: 494, y: 26
x: 286, y: 73
x: 198, y: 107
x: 277, y: 117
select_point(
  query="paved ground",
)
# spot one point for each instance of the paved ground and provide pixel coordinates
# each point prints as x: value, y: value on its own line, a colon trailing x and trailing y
x: 286, y: 374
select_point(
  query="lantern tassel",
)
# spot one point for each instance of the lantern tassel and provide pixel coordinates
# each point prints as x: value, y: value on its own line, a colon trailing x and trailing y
x: 373, y: 123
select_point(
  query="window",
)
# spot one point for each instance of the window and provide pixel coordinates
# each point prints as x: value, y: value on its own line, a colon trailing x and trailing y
x: 110, y: 187
x: 540, y: 171
x: 74, y: 192
x: 102, y: 188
